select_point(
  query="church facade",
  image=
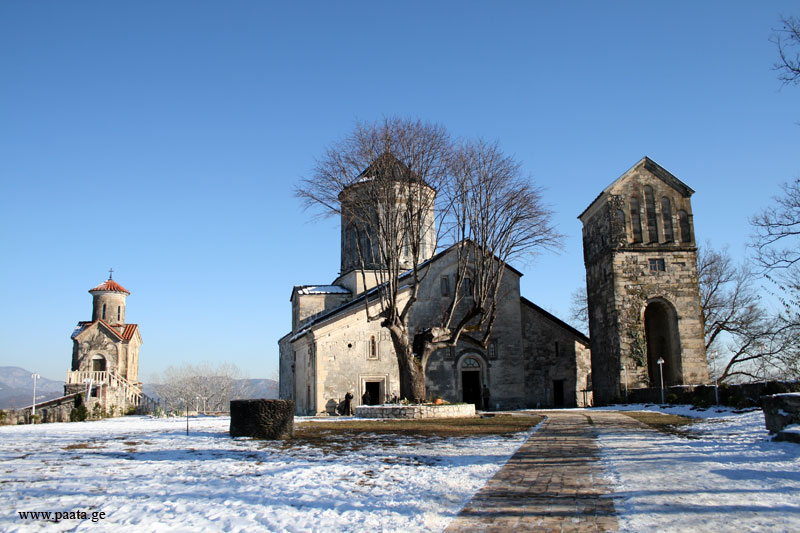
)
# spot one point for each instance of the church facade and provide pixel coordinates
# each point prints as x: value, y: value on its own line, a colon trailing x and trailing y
x: 533, y: 359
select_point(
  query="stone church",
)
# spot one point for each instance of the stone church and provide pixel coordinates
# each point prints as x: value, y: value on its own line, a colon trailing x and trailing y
x: 105, y: 353
x: 644, y: 312
x: 533, y: 358
x: 642, y: 284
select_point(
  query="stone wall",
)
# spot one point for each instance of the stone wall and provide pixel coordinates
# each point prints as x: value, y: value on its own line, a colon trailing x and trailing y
x: 499, y: 363
x: 415, y: 412
x: 554, y: 352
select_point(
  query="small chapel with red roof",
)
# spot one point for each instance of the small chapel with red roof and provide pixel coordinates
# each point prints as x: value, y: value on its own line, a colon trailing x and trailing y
x: 105, y: 353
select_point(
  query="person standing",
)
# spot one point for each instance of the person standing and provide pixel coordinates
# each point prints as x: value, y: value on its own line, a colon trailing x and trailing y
x: 348, y: 404
x: 485, y: 397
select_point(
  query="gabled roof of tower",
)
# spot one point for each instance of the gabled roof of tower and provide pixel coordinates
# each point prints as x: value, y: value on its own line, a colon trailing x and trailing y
x: 112, y: 286
x: 656, y: 170
x: 388, y: 161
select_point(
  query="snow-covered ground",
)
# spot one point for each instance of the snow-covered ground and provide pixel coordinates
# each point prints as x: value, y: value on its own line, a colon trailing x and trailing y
x: 729, y: 477
x: 148, y: 475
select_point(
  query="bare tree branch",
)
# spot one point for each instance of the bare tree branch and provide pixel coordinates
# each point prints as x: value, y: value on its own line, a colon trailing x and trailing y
x: 403, y: 189
x: 787, y: 38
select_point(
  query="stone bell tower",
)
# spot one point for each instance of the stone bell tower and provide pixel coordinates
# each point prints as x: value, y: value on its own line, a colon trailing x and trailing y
x: 642, y: 284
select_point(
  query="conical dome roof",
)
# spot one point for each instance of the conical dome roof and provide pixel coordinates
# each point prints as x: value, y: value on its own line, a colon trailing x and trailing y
x: 111, y: 286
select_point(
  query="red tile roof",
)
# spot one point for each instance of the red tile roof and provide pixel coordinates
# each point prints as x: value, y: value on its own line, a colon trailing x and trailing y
x: 110, y: 285
x: 129, y: 331
x: 126, y: 335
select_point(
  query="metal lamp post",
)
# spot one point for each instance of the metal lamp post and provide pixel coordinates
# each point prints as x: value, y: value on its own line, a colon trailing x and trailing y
x: 661, y: 370
x: 33, y: 406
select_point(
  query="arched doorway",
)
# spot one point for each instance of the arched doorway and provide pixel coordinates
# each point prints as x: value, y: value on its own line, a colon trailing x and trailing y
x: 663, y: 341
x: 471, y: 382
x: 98, y: 363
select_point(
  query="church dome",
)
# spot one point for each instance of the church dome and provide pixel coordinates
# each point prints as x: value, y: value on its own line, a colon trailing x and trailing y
x: 110, y: 286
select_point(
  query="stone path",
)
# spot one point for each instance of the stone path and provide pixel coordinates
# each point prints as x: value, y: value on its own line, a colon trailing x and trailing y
x: 553, y: 483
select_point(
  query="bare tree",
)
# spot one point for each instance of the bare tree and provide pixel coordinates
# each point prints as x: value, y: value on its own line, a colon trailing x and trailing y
x: 787, y: 38
x: 579, y: 308
x: 200, y: 387
x: 742, y: 338
x: 391, y: 182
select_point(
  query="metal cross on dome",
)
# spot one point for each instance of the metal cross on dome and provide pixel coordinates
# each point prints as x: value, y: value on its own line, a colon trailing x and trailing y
x: 110, y: 273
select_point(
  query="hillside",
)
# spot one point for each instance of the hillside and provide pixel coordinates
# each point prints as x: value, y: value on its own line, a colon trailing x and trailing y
x: 16, y: 388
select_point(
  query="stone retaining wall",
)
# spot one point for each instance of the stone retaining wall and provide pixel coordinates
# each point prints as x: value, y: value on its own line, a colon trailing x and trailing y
x: 780, y: 411
x: 416, y: 411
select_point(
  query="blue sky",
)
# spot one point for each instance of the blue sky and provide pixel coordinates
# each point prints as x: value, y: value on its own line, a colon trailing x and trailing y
x: 163, y: 139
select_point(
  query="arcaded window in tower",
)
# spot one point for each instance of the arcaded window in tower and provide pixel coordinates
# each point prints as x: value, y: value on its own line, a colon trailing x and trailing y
x: 104, y: 311
x: 623, y: 233
x: 666, y: 215
x: 686, y: 231
x: 636, y: 220
x: 118, y: 313
x: 650, y: 206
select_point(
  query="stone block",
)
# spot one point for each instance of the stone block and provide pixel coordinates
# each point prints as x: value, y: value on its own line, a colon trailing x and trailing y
x: 781, y: 410
x: 262, y: 419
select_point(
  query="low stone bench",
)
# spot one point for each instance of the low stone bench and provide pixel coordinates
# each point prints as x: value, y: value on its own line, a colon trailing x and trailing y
x: 262, y: 419
x: 414, y: 412
x: 780, y: 412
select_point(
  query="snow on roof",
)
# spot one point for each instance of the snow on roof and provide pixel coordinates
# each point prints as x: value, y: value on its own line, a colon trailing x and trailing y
x: 79, y: 328
x: 321, y: 289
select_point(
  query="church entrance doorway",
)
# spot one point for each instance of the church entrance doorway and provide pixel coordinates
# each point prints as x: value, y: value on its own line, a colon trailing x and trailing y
x: 558, y: 392
x: 373, y: 392
x: 471, y: 384
x: 663, y: 342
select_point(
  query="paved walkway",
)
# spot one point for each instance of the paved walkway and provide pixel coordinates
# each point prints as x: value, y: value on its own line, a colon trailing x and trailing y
x: 553, y: 483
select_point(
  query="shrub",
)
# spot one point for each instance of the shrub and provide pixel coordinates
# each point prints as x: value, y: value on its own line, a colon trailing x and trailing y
x: 672, y: 398
x: 78, y: 413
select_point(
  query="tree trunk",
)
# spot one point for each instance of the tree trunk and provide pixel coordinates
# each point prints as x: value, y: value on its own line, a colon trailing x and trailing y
x: 412, y: 375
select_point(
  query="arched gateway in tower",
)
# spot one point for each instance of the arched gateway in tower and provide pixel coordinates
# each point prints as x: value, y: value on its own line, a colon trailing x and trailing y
x: 642, y: 285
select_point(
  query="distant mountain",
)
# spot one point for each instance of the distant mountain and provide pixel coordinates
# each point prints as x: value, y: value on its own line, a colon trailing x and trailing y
x: 260, y: 388
x: 16, y: 388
